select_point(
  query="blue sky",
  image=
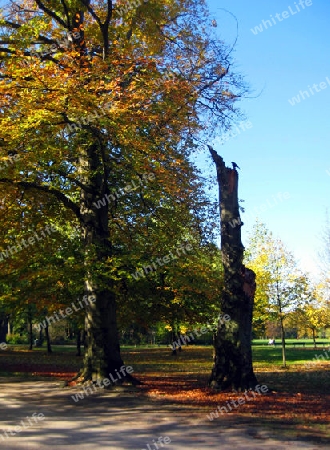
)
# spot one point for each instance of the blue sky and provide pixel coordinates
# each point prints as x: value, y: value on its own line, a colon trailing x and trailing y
x: 287, y: 148
x: 286, y: 151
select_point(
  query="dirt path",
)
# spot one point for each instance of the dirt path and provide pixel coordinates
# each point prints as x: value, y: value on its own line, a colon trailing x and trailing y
x: 118, y: 420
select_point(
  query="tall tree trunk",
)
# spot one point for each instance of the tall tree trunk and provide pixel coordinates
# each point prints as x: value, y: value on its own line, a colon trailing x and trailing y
x: 78, y: 331
x: 314, y: 337
x: 41, y: 338
x: 233, y: 367
x: 4, y: 327
x: 49, y: 347
x: 102, y: 355
x: 283, y: 341
x: 279, y: 304
x: 9, y: 329
x: 176, y: 342
x: 30, y: 331
x: 84, y: 339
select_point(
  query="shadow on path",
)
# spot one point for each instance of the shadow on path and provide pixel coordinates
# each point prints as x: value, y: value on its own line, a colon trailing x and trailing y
x: 119, y: 420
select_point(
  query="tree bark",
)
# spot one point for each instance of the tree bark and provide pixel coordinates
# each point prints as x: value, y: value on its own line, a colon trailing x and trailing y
x: 279, y: 303
x: 30, y: 332
x: 78, y: 331
x: 49, y: 347
x: 41, y: 338
x: 4, y: 327
x: 314, y: 337
x: 102, y: 355
x: 9, y: 328
x: 283, y: 341
x: 233, y: 367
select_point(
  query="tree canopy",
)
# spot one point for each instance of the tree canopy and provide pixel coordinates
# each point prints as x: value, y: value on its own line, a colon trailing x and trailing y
x: 102, y: 104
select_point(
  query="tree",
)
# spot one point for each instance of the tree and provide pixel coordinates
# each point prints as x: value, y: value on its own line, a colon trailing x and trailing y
x: 311, y: 318
x: 94, y: 96
x: 314, y: 313
x: 283, y: 285
x: 257, y: 261
x: 40, y: 279
x: 233, y: 366
x: 324, y: 258
x: 180, y: 293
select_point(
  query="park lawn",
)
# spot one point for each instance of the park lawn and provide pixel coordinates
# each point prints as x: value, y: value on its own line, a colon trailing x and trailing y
x: 298, y: 405
x: 291, y: 342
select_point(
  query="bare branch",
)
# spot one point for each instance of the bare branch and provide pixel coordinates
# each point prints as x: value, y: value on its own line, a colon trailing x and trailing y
x: 236, y: 38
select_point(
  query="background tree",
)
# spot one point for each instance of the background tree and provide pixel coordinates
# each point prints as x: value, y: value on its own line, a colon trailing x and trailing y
x: 310, y: 318
x: 324, y: 261
x: 257, y: 261
x: 283, y: 285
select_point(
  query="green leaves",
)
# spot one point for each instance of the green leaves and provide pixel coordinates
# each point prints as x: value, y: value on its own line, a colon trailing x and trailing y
x: 280, y: 285
x: 86, y: 121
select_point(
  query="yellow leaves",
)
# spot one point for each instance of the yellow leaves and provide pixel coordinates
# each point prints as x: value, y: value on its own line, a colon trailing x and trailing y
x: 144, y: 113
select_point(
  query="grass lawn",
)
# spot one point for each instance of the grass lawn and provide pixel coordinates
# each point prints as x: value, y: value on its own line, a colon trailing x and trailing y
x: 298, y: 405
x: 291, y: 342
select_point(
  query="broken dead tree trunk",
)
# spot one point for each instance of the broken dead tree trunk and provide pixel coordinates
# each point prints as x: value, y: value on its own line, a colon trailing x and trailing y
x: 233, y: 367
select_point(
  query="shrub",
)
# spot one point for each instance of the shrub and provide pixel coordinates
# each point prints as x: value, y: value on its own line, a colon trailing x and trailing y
x: 16, y: 339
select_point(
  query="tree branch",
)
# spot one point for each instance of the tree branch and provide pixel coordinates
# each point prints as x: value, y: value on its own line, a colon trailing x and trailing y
x: 92, y: 12
x: 12, y: 24
x: 66, y: 12
x: 109, y: 14
x: 50, y: 13
x: 6, y: 50
x: 49, y: 190
x: 73, y: 180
